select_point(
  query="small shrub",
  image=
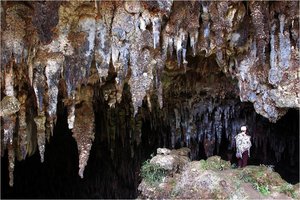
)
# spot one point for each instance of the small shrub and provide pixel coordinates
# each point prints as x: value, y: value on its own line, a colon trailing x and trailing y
x: 152, y: 173
x: 214, y: 163
x: 263, y: 189
x: 203, y: 165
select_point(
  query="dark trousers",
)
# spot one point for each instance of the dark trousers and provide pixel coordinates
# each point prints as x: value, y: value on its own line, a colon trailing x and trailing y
x: 242, y: 162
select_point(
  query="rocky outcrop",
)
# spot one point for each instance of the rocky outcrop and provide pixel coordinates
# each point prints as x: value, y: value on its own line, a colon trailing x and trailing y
x: 248, y: 49
x: 214, y: 178
x: 171, y: 160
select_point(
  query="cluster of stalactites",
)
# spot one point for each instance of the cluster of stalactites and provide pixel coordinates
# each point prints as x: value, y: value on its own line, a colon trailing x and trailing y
x: 206, y: 123
x: 9, y: 106
x: 279, y: 87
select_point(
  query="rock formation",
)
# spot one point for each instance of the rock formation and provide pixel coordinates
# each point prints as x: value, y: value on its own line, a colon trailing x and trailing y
x: 191, y: 62
x: 213, y: 178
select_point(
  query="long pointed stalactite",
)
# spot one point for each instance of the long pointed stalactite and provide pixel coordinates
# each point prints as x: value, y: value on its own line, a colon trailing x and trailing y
x: 187, y: 66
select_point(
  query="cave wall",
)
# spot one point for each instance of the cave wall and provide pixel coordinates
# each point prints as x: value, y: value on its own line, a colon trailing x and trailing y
x: 187, y: 66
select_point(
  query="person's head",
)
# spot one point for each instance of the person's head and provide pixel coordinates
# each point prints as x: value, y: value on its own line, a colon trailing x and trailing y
x: 244, y: 129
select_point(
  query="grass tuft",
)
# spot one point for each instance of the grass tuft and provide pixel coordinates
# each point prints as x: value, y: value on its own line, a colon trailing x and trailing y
x: 152, y: 173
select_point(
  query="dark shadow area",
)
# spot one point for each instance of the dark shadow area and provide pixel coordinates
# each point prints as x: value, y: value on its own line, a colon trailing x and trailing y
x: 113, y: 167
x: 278, y: 145
x: 119, y: 150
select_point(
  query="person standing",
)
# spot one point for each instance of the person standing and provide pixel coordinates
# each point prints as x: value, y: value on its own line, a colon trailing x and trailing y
x: 243, y: 144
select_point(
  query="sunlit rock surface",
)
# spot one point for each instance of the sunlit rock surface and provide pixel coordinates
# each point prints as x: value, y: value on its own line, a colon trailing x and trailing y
x: 190, y: 61
x: 213, y: 178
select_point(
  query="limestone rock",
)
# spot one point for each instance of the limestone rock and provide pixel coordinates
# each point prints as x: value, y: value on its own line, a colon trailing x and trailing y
x: 171, y: 160
x: 163, y: 151
x: 196, y: 182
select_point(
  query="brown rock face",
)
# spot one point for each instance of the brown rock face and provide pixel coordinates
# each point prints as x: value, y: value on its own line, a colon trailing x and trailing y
x: 190, y: 62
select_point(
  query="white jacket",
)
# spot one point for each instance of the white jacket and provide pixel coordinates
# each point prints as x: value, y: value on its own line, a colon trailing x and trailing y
x: 243, y: 144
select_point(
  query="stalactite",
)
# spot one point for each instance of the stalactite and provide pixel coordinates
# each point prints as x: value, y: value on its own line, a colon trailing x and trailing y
x: 156, y: 26
x: 13, y: 36
x: 258, y: 15
x: 205, y: 28
x: 194, y: 39
x: 9, y: 105
x: 22, y: 134
x: 11, y: 157
x: 39, y: 86
x: 218, y: 126
x: 41, y: 138
x: 71, y: 115
x: 274, y: 73
x: 103, y: 40
x: 178, y: 41
x: 140, y: 82
x: 53, y: 72
x: 87, y: 25
x: 121, y: 45
x: 83, y: 130
x: 284, y: 45
x: 9, y: 123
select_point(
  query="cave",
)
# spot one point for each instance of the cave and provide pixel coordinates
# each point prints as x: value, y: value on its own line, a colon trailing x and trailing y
x: 90, y: 90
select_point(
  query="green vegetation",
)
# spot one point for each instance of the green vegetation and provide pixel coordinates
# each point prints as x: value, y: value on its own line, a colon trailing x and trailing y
x: 262, y: 178
x: 214, y: 163
x: 289, y: 190
x: 263, y: 189
x: 257, y: 177
x: 152, y: 173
